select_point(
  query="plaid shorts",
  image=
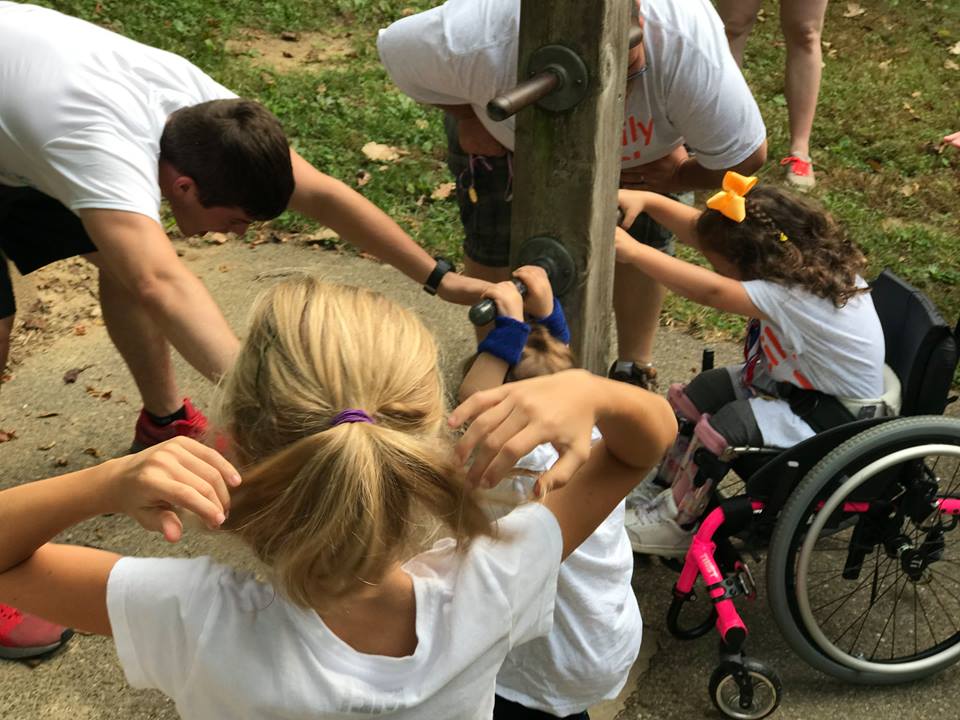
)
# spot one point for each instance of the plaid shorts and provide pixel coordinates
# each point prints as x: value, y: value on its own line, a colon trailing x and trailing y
x: 485, y: 212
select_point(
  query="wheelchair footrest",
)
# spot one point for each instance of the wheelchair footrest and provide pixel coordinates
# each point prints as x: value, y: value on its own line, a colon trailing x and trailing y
x: 740, y: 583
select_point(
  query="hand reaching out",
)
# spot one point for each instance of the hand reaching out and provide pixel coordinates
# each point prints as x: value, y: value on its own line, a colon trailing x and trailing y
x: 632, y: 203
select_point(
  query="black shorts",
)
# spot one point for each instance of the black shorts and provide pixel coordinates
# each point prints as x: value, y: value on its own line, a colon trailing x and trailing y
x: 486, y: 215
x: 35, y: 230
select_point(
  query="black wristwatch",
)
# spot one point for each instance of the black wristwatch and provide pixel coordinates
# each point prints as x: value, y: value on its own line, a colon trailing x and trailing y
x: 432, y: 284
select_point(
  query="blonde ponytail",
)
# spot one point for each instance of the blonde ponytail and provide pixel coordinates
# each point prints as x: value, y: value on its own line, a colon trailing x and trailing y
x: 328, y: 507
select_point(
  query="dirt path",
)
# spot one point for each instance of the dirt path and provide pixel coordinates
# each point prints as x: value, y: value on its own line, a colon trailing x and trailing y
x: 60, y: 427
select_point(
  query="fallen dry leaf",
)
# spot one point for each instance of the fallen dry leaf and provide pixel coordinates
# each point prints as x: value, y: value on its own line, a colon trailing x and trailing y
x: 5, y: 378
x: 102, y: 394
x: 223, y: 268
x: 854, y: 10
x: 884, y: 65
x: 216, y: 238
x: 47, y: 446
x: 913, y: 113
x: 323, y: 236
x: 381, y: 153
x: 34, y: 323
x: 60, y: 462
x: 70, y: 376
x: 951, y: 65
x: 290, y: 36
x: 954, y: 49
x: 79, y: 329
x: 7, y: 435
x: 909, y: 189
x: 92, y: 452
x: 363, y: 177
x: 48, y: 415
x: 443, y: 191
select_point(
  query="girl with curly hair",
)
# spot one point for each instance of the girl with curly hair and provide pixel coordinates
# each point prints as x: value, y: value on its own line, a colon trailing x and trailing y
x: 814, y: 339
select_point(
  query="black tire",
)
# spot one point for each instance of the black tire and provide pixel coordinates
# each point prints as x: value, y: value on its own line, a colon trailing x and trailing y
x: 725, y: 693
x: 788, y: 592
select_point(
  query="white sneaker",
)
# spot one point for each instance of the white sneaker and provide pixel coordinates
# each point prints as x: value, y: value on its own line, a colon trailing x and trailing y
x: 654, y: 531
x: 646, y: 492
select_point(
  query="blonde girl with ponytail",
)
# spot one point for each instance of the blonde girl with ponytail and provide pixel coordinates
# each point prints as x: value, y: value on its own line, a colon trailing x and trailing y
x: 335, y: 412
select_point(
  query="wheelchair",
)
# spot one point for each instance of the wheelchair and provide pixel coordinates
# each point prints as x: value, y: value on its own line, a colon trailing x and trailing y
x: 862, y: 580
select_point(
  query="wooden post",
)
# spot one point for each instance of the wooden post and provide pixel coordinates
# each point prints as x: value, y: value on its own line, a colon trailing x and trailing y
x: 567, y: 164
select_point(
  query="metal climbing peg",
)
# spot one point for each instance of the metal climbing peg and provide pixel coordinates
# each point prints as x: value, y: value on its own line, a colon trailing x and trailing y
x: 546, y: 252
x: 557, y: 80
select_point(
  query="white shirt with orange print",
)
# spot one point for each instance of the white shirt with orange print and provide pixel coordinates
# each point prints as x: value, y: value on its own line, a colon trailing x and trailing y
x: 812, y: 344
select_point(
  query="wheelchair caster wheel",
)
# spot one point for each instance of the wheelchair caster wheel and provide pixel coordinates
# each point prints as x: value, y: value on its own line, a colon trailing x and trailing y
x: 747, y: 691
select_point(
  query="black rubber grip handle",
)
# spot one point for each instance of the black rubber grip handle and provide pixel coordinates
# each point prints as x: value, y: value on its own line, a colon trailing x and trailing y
x: 485, y: 311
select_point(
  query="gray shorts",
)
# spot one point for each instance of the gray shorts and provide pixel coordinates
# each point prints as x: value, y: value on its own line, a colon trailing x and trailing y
x: 715, y: 392
x: 486, y: 214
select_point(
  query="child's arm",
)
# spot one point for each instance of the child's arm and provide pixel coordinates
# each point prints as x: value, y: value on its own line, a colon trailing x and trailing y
x: 693, y: 282
x: 678, y: 218
x: 490, y: 369
x: 509, y: 421
x: 68, y: 584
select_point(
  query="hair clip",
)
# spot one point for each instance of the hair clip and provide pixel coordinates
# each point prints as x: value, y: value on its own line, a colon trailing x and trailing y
x: 730, y: 201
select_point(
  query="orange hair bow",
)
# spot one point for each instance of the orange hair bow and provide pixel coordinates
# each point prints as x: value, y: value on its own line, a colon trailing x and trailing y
x: 729, y: 202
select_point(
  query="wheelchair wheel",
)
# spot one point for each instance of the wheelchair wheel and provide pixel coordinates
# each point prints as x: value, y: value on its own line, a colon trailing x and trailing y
x: 863, y: 576
x: 728, y: 696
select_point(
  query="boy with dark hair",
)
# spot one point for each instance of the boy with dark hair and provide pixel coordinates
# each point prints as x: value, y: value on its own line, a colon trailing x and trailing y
x: 95, y: 129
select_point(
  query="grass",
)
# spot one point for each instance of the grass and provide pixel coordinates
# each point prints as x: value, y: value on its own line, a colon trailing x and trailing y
x: 888, y: 97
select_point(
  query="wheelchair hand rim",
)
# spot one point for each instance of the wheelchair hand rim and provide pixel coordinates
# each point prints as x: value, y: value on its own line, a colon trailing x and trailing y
x: 813, y: 533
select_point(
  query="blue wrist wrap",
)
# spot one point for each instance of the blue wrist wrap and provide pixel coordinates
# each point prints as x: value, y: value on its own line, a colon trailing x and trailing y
x: 506, y: 341
x: 556, y: 323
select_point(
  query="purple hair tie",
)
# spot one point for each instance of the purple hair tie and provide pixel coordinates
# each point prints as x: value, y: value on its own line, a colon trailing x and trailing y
x: 351, y: 415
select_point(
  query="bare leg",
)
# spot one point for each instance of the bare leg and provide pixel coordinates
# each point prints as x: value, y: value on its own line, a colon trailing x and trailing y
x: 636, y: 303
x: 6, y: 328
x: 802, y: 24
x: 489, y: 273
x: 143, y: 347
x: 738, y: 18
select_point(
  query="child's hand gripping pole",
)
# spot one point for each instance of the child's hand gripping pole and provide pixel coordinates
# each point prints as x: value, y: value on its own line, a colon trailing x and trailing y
x: 485, y: 311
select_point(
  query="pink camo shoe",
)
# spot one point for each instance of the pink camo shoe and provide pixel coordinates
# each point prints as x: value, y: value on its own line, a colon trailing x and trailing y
x: 25, y: 636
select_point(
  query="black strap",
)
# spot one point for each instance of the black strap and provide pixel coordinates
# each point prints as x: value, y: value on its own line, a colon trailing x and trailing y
x: 432, y: 284
x: 819, y: 410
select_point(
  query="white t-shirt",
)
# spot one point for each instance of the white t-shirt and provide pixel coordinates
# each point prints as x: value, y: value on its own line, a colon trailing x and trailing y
x: 225, y: 646
x: 465, y: 52
x: 597, y: 628
x: 82, y: 109
x: 813, y: 344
